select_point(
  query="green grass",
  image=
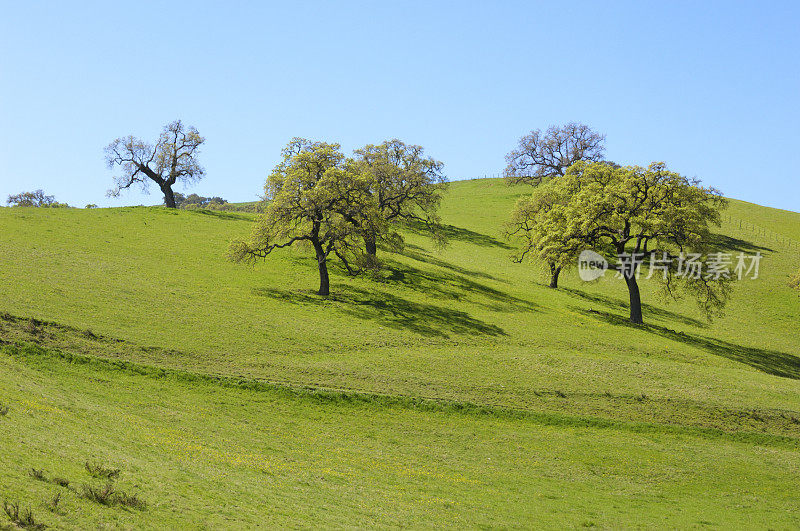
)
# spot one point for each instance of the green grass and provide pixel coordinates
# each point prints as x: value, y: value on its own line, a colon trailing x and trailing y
x: 457, y: 361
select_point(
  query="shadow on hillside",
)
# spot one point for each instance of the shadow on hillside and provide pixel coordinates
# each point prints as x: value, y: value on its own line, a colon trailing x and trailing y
x: 452, y: 286
x: 413, y: 252
x: 390, y: 310
x: 451, y: 232
x: 221, y: 214
x: 647, y: 309
x: 721, y: 242
x: 765, y: 360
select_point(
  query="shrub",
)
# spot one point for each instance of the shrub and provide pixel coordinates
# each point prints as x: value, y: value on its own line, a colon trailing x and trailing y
x: 99, y: 471
x: 3, y: 410
x: 103, y: 496
x: 24, y: 519
x: 37, y: 474
x: 61, y: 482
x: 109, y: 496
x: 53, y: 503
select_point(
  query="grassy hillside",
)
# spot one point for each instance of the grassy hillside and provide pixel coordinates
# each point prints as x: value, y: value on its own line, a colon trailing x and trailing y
x: 503, y: 366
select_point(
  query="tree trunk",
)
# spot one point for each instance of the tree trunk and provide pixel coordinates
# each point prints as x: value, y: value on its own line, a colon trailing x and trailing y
x: 169, y: 196
x: 370, y: 245
x: 635, y: 298
x: 322, y: 262
x: 555, y: 270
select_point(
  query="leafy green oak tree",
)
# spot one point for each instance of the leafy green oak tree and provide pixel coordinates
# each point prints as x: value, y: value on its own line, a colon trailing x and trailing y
x: 536, y: 223
x: 630, y: 215
x: 545, y: 155
x: 310, y: 197
x: 171, y: 160
x: 405, y: 185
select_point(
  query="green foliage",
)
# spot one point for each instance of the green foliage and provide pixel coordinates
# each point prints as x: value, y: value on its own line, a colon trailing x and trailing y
x: 171, y: 160
x: 616, y: 211
x: 192, y: 201
x: 406, y: 186
x: 34, y: 199
x: 313, y: 195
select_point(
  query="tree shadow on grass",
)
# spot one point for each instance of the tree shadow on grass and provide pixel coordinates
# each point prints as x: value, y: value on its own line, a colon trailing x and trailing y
x: 765, y: 360
x: 415, y: 253
x: 721, y: 243
x: 451, y: 232
x: 453, y: 286
x: 390, y: 310
x: 647, y: 309
x: 221, y: 214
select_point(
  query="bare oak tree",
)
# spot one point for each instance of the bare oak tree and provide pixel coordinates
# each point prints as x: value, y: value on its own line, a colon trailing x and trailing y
x: 540, y: 155
x: 172, y: 159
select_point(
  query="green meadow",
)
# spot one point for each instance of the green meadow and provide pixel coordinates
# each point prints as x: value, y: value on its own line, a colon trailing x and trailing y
x: 454, y: 388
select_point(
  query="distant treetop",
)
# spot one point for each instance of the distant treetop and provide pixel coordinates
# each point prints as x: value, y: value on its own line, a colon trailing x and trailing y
x: 34, y: 199
x: 539, y: 156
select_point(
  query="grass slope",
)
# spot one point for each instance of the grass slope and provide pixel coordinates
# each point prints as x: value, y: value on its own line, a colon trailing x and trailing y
x: 459, y: 326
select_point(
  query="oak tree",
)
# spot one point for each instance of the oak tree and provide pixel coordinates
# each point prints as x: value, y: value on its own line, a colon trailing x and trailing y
x: 172, y: 159
x: 405, y: 185
x: 34, y: 199
x: 542, y: 155
x: 310, y: 196
x: 631, y: 216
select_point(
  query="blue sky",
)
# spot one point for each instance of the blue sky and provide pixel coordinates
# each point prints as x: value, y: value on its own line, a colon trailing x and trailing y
x: 710, y: 88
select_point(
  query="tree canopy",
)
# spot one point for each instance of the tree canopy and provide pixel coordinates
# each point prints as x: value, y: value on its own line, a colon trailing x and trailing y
x: 630, y: 215
x: 405, y: 185
x: 541, y: 155
x: 34, y: 199
x: 198, y: 201
x: 312, y: 195
x: 171, y: 160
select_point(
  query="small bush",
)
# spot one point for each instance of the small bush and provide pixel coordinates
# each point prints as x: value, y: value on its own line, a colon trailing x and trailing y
x: 103, y: 496
x: 96, y: 470
x: 91, y: 205
x: 23, y: 519
x: 37, y: 474
x: 61, y: 482
x: 3, y: 410
x: 53, y: 503
x: 133, y: 501
x: 109, y: 496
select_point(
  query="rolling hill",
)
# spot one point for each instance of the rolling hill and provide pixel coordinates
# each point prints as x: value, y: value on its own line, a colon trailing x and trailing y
x: 454, y: 387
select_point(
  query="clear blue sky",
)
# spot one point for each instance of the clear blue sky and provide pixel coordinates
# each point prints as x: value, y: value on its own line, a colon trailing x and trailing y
x: 710, y: 88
